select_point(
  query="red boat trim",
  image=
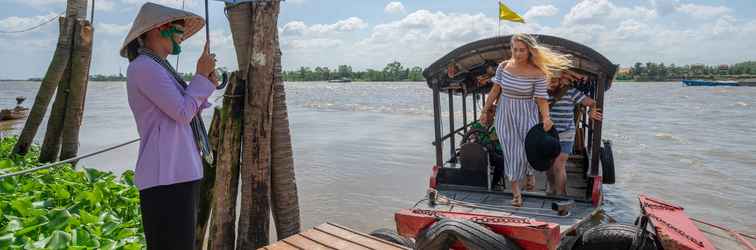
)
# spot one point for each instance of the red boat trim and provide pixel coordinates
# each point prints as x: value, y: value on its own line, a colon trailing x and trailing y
x: 433, y: 182
x: 673, y: 227
x: 596, y: 191
x: 526, y: 232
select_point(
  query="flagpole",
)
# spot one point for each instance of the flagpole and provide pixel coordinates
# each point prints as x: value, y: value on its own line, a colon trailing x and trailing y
x: 498, y: 19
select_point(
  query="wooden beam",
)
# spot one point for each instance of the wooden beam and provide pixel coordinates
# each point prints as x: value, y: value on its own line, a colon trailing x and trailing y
x: 54, y: 74
x: 74, y: 112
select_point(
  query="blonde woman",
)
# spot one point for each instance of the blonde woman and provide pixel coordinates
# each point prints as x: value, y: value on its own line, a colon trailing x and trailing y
x: 520, y: 94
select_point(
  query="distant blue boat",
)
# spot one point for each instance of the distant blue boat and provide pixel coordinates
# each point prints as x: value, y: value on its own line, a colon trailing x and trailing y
x: 708, y: 83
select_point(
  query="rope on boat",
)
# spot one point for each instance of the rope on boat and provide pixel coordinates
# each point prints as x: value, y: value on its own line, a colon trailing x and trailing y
x: 724, y: 228
x: 33, y: 27
x: 50, y: 165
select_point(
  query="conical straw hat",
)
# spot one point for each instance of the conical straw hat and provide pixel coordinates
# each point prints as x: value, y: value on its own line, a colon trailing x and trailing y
x: 153, y: 15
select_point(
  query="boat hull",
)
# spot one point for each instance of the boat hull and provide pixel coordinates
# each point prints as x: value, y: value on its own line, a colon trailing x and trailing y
x: 697, y: 83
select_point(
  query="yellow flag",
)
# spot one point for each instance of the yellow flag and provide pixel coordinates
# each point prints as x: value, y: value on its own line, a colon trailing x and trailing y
x: 507, y: 14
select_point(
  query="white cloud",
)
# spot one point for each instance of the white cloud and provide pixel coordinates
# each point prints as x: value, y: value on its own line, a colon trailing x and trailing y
x: 703, y: 11
x: 15, y: 23
x: 316, y: 43
x: 40, y: 3
x: 112, y: 29
x: 169, y: 3
x: 664, y: 7
x: 102, y: 5
x: 394, y: 8
x: 602, y: 11
x: 299, y: 28
x: 541, y: 11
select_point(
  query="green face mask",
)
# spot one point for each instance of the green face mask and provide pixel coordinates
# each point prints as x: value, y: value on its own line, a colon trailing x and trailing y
x: 171, y: 33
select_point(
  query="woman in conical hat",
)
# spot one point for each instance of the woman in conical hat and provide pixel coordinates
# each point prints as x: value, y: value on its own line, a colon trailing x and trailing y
x: 167, y: 114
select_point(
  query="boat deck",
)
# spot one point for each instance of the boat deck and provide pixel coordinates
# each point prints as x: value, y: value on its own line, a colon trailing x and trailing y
x: 536, y: 204
x: 332, y: 236
x: 496, y: 203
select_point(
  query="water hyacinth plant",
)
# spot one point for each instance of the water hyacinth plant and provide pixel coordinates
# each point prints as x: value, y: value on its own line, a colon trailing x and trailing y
x: 63, y: 208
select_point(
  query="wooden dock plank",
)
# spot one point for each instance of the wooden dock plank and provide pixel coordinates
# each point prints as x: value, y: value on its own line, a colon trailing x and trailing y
x: 305, y: 243
x: 328, y: 239
x: 281, y: 245
x: 332, y: 236
x: 357, y: 237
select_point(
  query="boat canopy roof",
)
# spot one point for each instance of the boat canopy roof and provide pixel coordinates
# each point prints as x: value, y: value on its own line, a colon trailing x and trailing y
x: 460, y: 68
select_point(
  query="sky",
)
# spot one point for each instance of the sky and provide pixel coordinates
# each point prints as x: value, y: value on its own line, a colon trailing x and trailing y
x: 371, y: 33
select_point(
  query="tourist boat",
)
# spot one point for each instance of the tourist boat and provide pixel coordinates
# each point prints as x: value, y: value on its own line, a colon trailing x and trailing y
x: 709, y: 83
x: 15, y: 113
x: 463, y: 210
x: 747, y: 83
x: 460, y: 186
x: 341, y: 80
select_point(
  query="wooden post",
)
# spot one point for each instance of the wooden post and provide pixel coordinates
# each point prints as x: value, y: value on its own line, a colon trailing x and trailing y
x: 596, y: 135
x: 80, y: 62
x: 452, y: 135
x: 75, y: 9
x: 54, y: 74
x: 464, y: 110
x: 51, y: 143
x: 223, y: 222
x: 207, y: 183
x: 284, y: 196
x: 260, y: 41
x: 437, y: 122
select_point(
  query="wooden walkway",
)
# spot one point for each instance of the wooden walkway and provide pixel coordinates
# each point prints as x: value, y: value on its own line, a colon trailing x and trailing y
x: 332, y: 236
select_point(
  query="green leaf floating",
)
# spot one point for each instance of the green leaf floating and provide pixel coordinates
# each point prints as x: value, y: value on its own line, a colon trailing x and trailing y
x: 63, y: 208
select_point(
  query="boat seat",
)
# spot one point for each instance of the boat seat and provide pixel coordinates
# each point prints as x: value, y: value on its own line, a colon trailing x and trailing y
x: 474, y: 168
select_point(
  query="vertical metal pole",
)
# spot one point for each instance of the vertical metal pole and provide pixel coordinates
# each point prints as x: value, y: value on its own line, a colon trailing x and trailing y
x: 596, y: 139
x: 475, y: 106
x: 452, y: 145
x: 437, y: 122
x: 464, y: 110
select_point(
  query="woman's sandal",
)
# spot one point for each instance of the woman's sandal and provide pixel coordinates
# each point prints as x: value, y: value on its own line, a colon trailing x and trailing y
x: 530, y: 183
x: 517, y: 200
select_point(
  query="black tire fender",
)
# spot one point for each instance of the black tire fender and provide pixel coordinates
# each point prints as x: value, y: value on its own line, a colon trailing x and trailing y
x: 445, y: 232
x: 393, y: 236
x: 612, y: 236
x: 607, y: 163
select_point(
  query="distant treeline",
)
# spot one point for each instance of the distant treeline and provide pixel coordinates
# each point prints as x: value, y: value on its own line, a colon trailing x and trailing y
x: 661, y: 72
x: 392, y: 72
x: 121, y: 77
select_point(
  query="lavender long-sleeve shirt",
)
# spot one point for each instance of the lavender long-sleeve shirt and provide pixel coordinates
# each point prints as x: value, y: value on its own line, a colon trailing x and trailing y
x: 162, y: 109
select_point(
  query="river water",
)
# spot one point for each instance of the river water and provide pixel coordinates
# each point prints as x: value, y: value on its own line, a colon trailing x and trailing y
x: 363, y: 150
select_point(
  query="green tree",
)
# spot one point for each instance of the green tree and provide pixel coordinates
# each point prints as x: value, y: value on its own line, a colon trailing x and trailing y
x: 416, y: 74
x: 393, y: 71
x: 344, y: 71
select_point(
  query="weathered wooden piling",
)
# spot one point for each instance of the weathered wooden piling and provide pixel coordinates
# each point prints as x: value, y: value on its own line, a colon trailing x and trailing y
x: 253, y: 143
x: 225, y: 191
x: 69, y: 73
x: 207, y: 182
x: 47, y: 88
x: 284, y: 197
x: 254, y: 228
x: 80, y: 63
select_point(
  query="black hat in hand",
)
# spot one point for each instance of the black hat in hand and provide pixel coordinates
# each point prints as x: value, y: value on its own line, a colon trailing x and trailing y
x: 542, y: 147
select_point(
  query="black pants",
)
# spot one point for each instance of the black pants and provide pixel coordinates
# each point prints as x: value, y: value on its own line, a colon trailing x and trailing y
x: 169, y: 215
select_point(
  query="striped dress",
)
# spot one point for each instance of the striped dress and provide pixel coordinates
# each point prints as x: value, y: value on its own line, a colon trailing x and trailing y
x: 516, y: 113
